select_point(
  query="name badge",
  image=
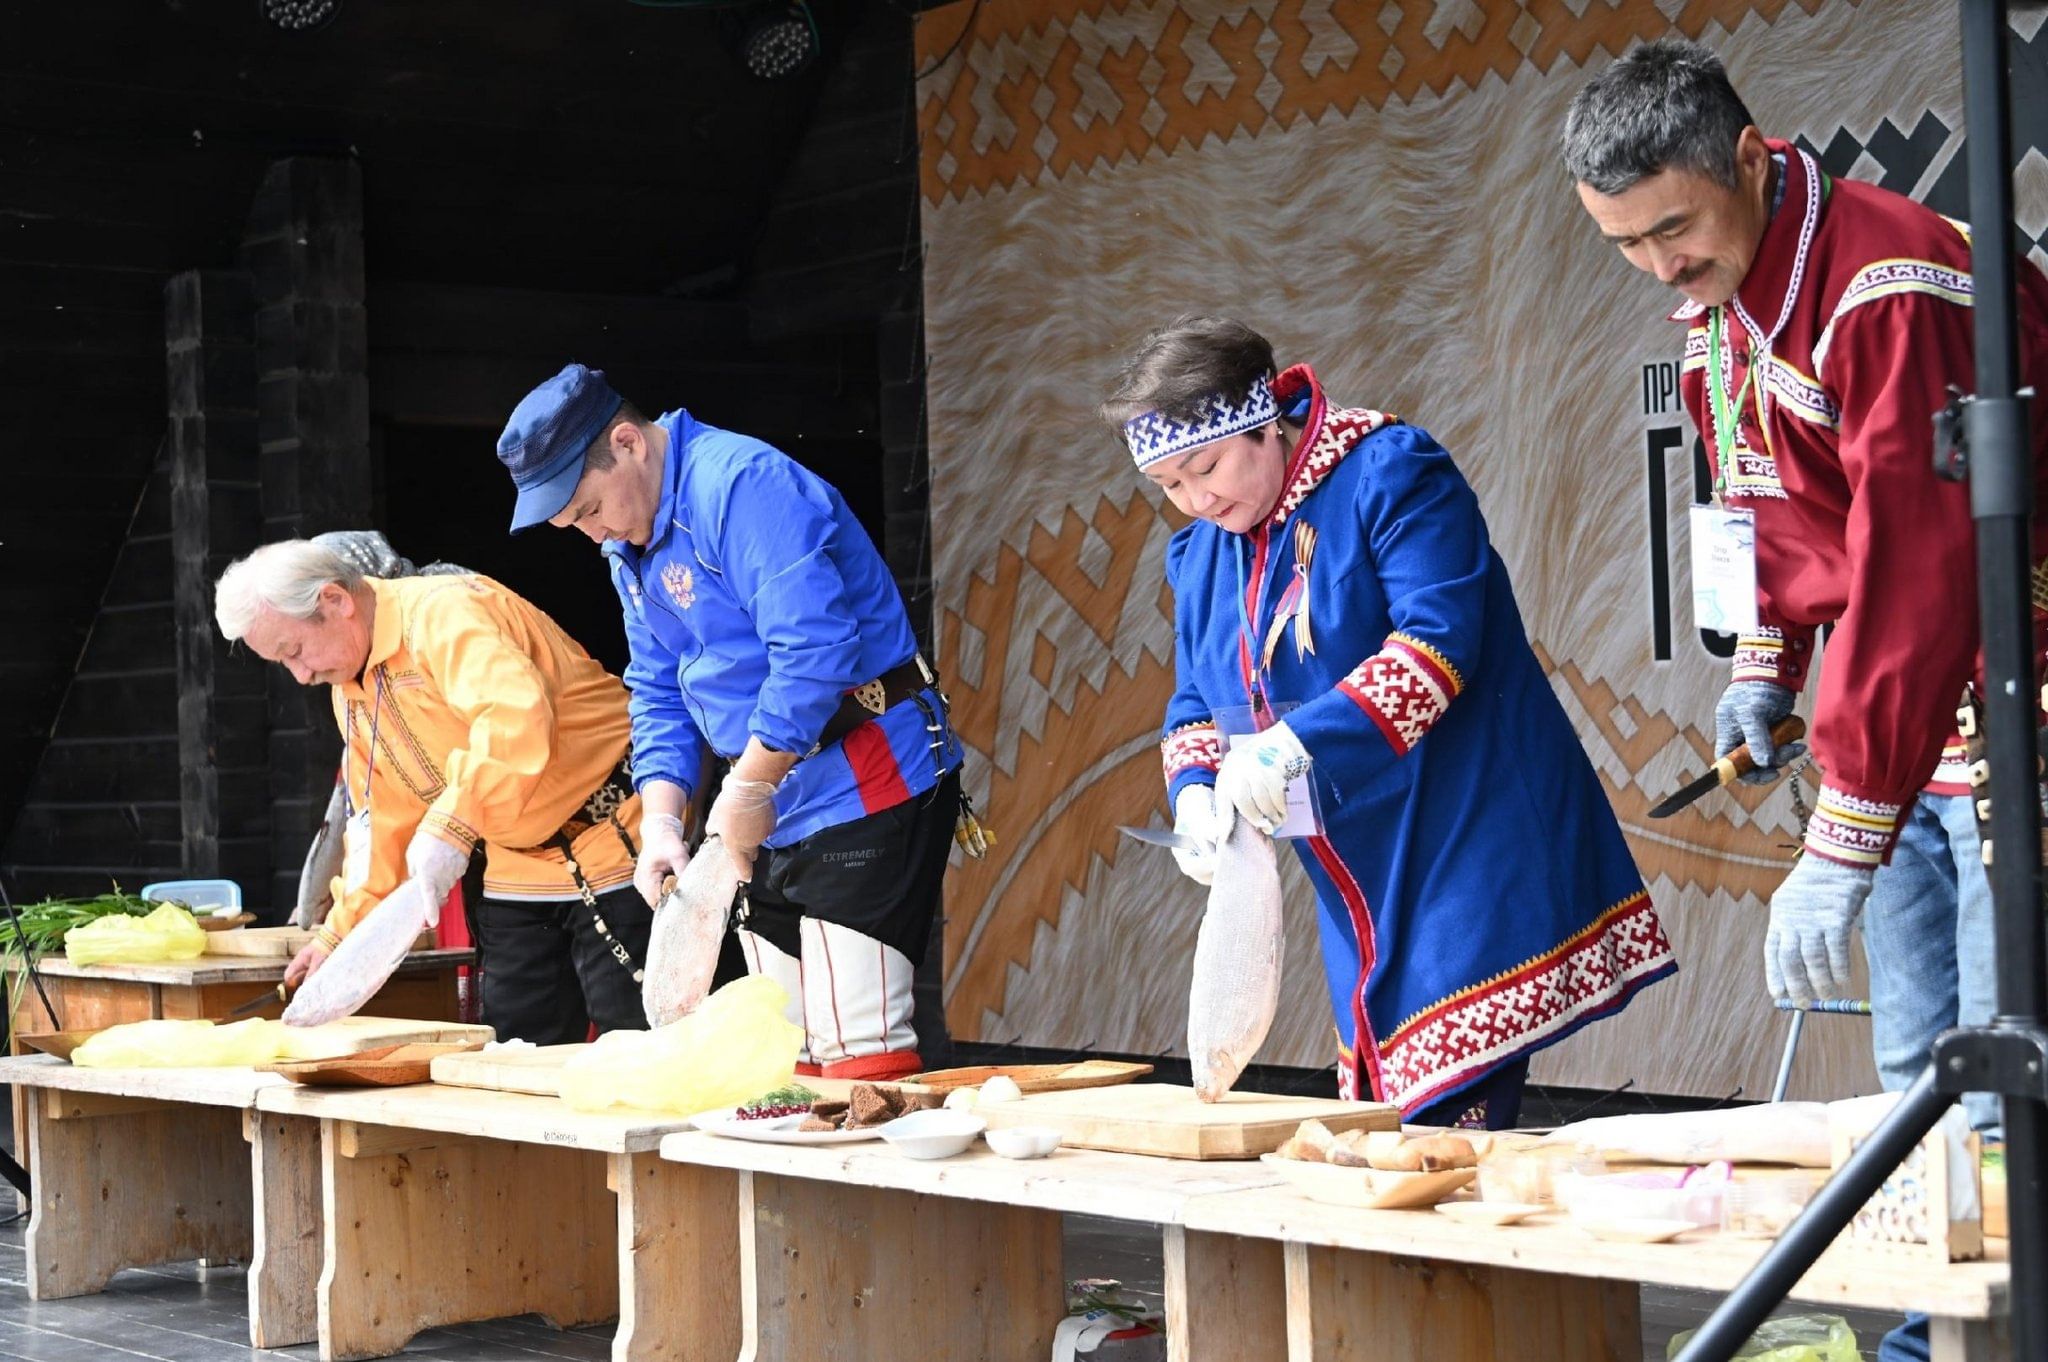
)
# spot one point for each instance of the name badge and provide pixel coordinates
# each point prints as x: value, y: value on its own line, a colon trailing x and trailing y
x: 1723, y: 570
x: 355, y: 852
x: 1237, y: 723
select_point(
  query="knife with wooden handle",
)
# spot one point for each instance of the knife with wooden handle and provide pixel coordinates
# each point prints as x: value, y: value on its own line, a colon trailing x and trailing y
x: 1730, y: 768
x: 281, y: 994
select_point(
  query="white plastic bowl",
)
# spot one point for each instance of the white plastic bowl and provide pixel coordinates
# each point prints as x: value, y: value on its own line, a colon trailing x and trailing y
x: 933, y: 1134
x: 1023, y: 1142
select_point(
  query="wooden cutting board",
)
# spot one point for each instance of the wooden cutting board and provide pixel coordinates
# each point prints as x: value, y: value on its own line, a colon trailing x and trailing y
x: 386, y: 1066
x: 280, y: 943
x: 537, y: 1071
x: 1087, y: 1073
x: 352, y: 1035
x: 1169, y: 1120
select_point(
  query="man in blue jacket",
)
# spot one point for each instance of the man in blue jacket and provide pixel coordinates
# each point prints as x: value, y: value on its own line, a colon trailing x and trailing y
x: 764, y: 630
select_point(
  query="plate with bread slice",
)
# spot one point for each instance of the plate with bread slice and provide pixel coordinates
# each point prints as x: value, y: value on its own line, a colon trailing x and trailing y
x: 793, y: 1114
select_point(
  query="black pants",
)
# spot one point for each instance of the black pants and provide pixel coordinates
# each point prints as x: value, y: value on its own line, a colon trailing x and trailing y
x: 879, y: 875
x: 547, y: 974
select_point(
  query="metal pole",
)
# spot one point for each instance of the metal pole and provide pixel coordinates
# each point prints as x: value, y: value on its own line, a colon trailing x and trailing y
x: 2001, y: 470
x: 1791, y: 1053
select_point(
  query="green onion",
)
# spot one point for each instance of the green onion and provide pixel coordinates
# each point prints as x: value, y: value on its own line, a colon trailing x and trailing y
x: 44, y: 925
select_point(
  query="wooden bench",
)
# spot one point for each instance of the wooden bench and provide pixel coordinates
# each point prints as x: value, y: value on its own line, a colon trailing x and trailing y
x: 133, y: 1167
x: 854, y: 1251
x: 445, y: 1205
x: 1422, y: 1286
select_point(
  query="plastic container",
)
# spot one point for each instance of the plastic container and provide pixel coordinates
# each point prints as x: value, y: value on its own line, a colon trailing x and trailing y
x: 1527, y: 1177
x: 1763, y: 1207
x: 1637, y: 1197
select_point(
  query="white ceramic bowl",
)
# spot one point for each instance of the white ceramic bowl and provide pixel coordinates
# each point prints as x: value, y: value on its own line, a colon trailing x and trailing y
x: 933, y: 1134
x: 1023, y: 1142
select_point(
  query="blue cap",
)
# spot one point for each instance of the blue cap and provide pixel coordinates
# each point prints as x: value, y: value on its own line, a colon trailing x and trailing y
x: 544, y: 440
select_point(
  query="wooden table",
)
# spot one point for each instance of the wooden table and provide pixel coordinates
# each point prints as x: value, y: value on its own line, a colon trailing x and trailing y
x: 132, y: 1167
x: 854, y: 1251
x: 91, y: 997
x: 1421, y: 1285
x: 444, y: 1205
x: 88, y: 997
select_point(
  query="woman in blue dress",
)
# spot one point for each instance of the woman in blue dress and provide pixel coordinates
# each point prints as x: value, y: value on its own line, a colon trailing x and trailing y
x: 1340, y: 610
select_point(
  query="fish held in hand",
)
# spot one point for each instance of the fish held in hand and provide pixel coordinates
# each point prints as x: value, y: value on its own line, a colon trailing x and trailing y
x: 1236, y: 985
x: 689, y: 924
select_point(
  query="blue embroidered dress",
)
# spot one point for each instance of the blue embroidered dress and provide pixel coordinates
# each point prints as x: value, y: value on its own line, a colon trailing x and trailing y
x: 1475, y: 898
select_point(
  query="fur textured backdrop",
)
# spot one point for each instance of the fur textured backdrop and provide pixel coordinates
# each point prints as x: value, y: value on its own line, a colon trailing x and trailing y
x: 1424, y: 251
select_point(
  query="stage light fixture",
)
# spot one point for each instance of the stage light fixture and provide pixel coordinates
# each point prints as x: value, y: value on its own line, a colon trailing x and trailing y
x: 775, y: 41
x: 299, y: 16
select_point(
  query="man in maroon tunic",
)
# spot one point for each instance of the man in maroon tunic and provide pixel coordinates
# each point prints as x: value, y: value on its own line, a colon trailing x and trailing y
x: 1826, y: 320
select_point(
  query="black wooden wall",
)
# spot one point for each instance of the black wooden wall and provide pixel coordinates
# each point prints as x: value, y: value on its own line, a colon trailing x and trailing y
x: 592, y: 180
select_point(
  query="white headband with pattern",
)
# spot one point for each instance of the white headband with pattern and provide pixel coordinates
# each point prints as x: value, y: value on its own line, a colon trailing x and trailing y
x: 1155, y: 436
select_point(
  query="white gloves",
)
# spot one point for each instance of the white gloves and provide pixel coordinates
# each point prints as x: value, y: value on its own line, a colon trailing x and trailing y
x: 662, y: 853
x: 1253, y: 777
x: 742, y: 816
x: 437, y: 867
x: 1806, y: 948
x: 366, y: 957
x: 1745, y: 713
x: 1195, y: 817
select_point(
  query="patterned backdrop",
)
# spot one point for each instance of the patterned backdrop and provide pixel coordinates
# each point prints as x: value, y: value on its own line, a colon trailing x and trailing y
x: 1375, y: 186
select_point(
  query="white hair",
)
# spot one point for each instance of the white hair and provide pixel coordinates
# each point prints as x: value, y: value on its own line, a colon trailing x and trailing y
x: 286, y: 577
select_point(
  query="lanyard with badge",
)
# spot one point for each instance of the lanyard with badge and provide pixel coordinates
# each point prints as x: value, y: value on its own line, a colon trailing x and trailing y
x: 1723, y: 540
x: 1303, y: 819
x: 355, y: 837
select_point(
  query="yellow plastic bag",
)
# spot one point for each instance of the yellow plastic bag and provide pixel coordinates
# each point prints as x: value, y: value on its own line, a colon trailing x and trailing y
x: 169, y: 933
x: 738, y: 1044
x: 1791, y: 1338
x: 182, y: 1045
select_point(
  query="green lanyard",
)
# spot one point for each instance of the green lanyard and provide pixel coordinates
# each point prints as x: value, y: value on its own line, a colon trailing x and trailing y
x: 1724, y: 410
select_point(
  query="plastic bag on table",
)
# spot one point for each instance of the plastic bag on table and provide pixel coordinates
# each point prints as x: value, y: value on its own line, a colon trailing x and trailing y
x: 1773, y: 1132
x: 168, y: 933
x: 1792, y: 1338
x: 737, y: 1045
x: 182, y: 1045
x: 689, y: 925
x: 365, y: 958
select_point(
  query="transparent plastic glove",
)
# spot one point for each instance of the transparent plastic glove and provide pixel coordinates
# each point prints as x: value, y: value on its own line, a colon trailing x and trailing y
x: 437, y: 868
x: 742, y: 816
x: 663, y: 853
x: 365, y: 958
x: 1254, y: 775
x: 1745, y: 713
x: 1195, y: 816
x: 1806, y: 947
x: 323, y: 864
x: 307, y: 962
